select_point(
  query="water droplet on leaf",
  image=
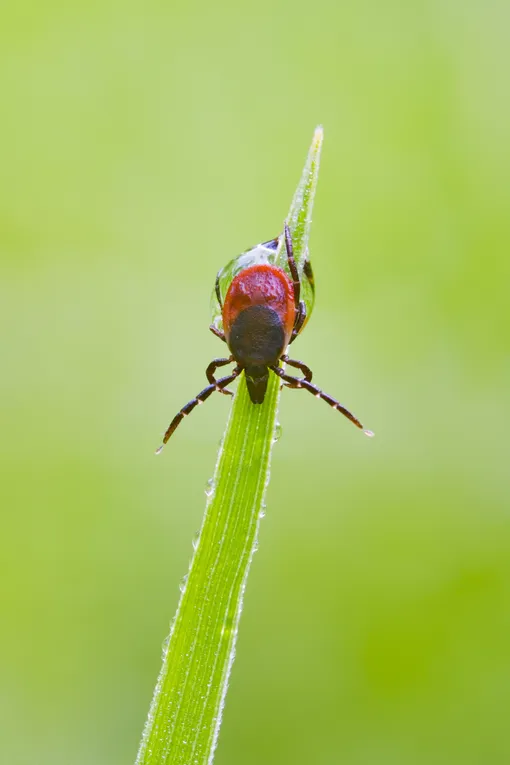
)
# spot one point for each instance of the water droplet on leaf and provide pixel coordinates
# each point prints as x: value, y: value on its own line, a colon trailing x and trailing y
x: 183, y: 582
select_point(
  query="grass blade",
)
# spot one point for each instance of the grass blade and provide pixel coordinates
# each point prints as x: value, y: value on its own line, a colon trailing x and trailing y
x: 186, y: 710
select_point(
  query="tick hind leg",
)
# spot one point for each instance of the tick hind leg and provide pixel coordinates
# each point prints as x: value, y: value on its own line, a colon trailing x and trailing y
x: 298, y: 303
x: 211, y: 369
x: 217, y: 290
x: 295, y: 382
x: 199, y: 399
x: 292, y: 266
x: 218, y: 333
x: 301, y: 313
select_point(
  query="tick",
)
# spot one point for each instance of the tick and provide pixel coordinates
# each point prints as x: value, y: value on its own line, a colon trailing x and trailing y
x: 262, y: 314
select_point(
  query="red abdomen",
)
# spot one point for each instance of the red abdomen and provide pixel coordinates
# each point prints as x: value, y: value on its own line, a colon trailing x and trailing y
x: 264, y: 285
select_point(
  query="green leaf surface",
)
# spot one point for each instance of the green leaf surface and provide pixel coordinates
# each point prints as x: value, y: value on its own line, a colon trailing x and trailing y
x: 186, y: 710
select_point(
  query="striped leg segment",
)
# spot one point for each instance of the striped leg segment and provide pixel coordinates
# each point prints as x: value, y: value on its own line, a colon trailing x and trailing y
x: 300, y: 320
x: 217, y: 289
x: 299, y: 304
x: 218, y: 333
x: 292, y: 266
x: 199, y: 399
x: 294, y: 382
x: 298, y: 365
x: 211, y: 369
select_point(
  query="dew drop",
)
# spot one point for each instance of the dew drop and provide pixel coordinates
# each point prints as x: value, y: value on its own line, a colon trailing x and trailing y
x: 159, y: 449
x: 209, y: 488
x: 369, y: 433
x: 183, y: 582
x: 277, y: 432
x: 195, y: 540
x: 164, y: 647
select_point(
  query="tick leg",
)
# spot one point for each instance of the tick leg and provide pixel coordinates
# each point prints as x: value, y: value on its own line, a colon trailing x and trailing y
x: 299, y: 321
x: 307, y: 270
x: 217, y: 289
x: 294, y: 382
x: 299, y: 304
x: 218, y: 333
x: 199, y: 399
x: 292, y: 266
x: 209, y: 372
x: 298, y: 365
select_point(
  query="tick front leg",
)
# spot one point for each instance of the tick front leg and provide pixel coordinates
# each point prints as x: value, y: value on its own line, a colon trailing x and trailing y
x: 209, y: 372
x: 295, y: 382
x: 199, y: 399
x: 307, y: 372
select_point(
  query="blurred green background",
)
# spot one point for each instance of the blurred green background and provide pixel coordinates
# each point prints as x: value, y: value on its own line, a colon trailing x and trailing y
x: 143, y: 145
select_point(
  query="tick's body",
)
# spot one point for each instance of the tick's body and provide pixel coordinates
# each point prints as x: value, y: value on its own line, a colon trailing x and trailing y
x: 259, y: 315
x: 262, y: 314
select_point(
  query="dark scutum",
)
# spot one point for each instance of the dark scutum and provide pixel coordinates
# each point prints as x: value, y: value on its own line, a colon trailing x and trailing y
x: 256, y: 340
x: 257, y: 337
